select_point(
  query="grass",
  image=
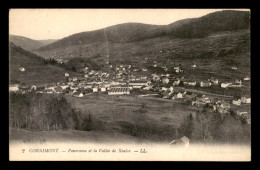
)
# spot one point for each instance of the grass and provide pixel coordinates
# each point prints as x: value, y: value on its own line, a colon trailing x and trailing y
x: 120, y: 117
x: 24, y: 136
x: 147, y: 118
x: 36, y: 72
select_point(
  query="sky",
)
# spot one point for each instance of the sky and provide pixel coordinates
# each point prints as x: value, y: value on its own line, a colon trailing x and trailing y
x: 41, y: 24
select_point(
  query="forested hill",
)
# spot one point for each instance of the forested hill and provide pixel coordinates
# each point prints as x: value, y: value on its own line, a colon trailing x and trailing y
x: 214, y: 22
x: 118, y: 33
x: 187, y: 28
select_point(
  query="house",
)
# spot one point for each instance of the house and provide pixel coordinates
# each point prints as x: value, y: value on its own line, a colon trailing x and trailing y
x: 50, y: 86
x: 234, y: 68
x: 222, y: 110
x: 95, y: 89
x: 66, y: 75
x: 164, y: 89
x: 238, y: 81
x: 74, y: 87
x: 78, y: 94
x: 14, y: 87
x: 122, y: 82
x: 64, y: 87
x: 177, y: 69
x: 225, y: 85
x: 86, y: 75
x: 212, y: 80
x: 205, y: 84
x: 138, y: 84
x: 239, y: 113
x: 236, y: 85
x: 22, y: 69
x: 201, y: 100
x: 33, y: 87
x: 248, y: 121
x: 71, y: 83
x: 171, y: 93
x: 48, y: 91
x: 245, y: 100
x: 156, y: 78
x: 179, y: 95
x: 193, y: 66
x: 103, y: 89
x: 165, y: 80
x: 171, y: 88
x: 190, y: 83
x: 247, y: 78
x: 74, y: 78
x: 236, y: 102
x: 184, y: 141
x: 114, y: 83
x: 144, y: 78
x: 224, y: 105
x: 205, y: 99
x: 147, y: 88
x: 176, y: 82
x: 144, y: 69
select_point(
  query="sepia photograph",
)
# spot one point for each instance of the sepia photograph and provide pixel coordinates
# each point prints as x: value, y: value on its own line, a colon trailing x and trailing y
x: 129, y: 84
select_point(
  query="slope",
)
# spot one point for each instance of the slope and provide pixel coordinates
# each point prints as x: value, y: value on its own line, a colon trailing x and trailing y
x: 27, y: 43
x: 132, y: 32
x: 36, y: 71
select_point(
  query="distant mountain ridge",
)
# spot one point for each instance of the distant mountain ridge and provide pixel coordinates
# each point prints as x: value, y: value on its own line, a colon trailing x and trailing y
x: 188, y: 28
x: 29, y: 44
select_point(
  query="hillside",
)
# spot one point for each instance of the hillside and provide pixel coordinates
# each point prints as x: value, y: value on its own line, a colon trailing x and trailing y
x: 69, y: 136
x: 118, y: 33
x: 132, y: 32
x: 214, y: 22
x: 46, y: 42
x: 36, y: 71
x: 27, y: 43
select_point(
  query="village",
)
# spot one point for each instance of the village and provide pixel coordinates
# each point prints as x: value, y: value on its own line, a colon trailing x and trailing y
x: 128, y: 80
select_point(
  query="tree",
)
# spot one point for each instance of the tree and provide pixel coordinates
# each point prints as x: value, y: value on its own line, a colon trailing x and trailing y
x: 202, y: 127
x: 187, y: 126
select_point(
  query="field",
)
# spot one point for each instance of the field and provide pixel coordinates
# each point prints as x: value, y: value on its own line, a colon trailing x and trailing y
x: 147, y: 118
x: 26, y: 136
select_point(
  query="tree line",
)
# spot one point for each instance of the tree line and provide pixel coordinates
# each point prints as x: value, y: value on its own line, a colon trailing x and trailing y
x: 208, y: 127
x: 41, y: 112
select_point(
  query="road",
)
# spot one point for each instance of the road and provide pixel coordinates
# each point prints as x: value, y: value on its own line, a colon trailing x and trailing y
x: 203, y: 92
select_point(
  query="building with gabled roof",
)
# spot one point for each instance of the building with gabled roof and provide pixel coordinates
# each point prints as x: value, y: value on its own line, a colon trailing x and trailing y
x: 14, y: 87
x: 183, y: 141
